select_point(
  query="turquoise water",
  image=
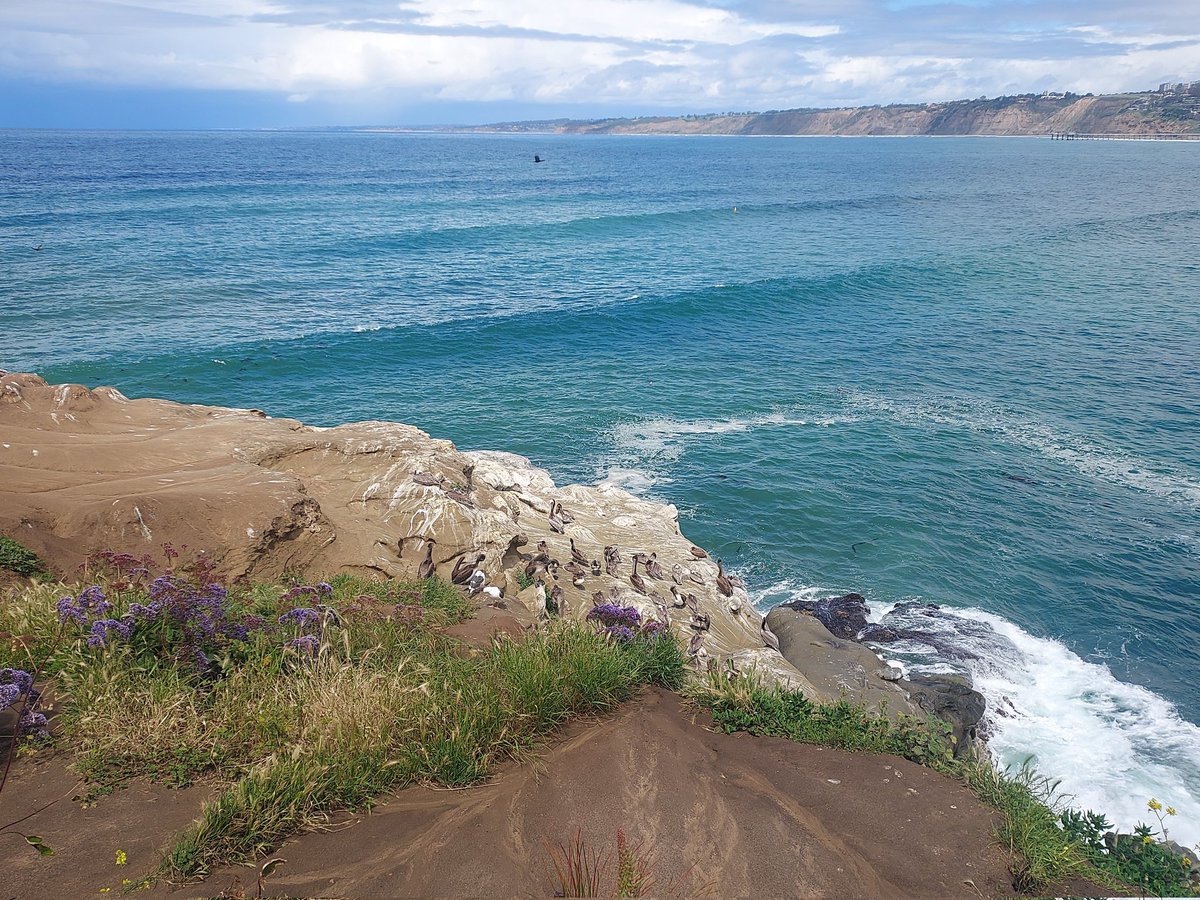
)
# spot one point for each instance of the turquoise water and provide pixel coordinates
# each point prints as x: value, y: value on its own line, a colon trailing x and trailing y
x: 963, y: 370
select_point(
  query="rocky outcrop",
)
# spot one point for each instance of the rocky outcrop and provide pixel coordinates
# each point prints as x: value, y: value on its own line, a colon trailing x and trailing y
x: 952, y: 699
x: 844, y: 616
x: 828, y: 640
x: 838, y: 667
x: 88, y: 470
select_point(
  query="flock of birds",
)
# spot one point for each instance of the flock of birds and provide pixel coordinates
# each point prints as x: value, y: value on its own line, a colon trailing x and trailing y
x: 541, y: 567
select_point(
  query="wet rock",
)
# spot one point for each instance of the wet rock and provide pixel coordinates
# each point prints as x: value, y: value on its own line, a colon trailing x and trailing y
x: 844, y: 616
x: 952, y: 699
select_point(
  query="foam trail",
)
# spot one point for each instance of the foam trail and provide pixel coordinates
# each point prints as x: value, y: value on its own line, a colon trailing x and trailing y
x: 1086, y: 456
x: 647, y: 446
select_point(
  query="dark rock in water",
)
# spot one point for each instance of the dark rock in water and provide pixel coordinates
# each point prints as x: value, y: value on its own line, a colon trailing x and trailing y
x: 951, y: 699
x: 878, y: 634
x: 844, y: 616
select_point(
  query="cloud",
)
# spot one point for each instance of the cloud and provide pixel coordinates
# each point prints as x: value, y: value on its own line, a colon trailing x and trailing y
x: 670, y: 54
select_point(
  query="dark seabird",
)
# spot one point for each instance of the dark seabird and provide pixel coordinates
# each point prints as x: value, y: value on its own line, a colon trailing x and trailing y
x: 537, y: 565
x: 575, y: 569
x: 556, y: 520
x: 596, y: 567
x: 635, y: 579
x: 677, y: 599
x: 537, y: 159
x: 576, y: 555
x: 558, y: 600
x: 698, y: 553
x: 463, y: 569
x: 463, y: 495
x: 427, y: 569
x: 653, y: 569
x: 724, y: 585
x: 38, y: 248
x: 700, y: 621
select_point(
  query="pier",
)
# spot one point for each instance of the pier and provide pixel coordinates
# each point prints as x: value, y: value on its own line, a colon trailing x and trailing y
x: 1101, y: 136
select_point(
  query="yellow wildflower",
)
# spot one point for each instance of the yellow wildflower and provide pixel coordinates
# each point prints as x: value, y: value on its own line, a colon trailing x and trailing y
x: 1154, y: 804
x: 1170, y: 810
x: 1147, y: 840
x: 125, y: 882
x: 1187, y: 862
x: 105, y: 890
x: 121, y: 858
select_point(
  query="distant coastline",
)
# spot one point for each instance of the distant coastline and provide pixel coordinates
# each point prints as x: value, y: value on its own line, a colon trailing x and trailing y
x: 1169, y: 113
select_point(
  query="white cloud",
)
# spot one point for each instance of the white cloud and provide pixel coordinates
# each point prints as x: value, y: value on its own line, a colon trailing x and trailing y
x: 671, y: 53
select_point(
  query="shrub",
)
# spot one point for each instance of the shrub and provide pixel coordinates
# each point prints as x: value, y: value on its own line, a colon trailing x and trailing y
x: 20, y: 560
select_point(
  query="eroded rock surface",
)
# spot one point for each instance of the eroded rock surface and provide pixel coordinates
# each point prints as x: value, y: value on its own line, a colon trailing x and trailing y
x: 87, y: 470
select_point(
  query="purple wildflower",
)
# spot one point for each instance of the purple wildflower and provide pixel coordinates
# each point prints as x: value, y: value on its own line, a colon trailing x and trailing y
x: 301, y: 616
x: 32, y: 724
x: 324, y: 588
x: 104, y: 629
x: 620, y: 632
x: 307, y: 643
x: 9, y: 694
x: 22, y: 679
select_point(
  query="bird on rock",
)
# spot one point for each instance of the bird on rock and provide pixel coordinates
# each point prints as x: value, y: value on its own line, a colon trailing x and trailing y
x: 576, y: 555
x: 724, y: 585
x: 639, y: 583
x: 463, y: 569
x: 557, y: 523
x: 653, y: 569
x: 427, y: 569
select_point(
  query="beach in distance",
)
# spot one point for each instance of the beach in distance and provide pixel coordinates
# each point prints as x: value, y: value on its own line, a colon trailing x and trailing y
x: 956, y: 371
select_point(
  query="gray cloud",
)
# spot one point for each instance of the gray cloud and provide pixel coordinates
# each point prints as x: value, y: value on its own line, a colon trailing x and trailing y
x: 673, y: 54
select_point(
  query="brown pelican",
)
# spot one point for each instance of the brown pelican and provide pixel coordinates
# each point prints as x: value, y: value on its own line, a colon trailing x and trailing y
x: 564, y: 515
x: 575, y: 569
x: 698, y: 553
x: 614, y: 552
x: 700, y: 621
x: 537, y: 565
x: 677, y: 599
x: 635, y: 579
x: 769, y: 638
x: 724, y: 585
x: 661, y: 609
x: 543, y: 548
x: 427, y: 569
x: 597, y: 598
x: 696, y: 650
x: 653, y: 569
x: 557, y: 523
x: 596, y: 567
x: 576, y: 555
x: 557, y: 600
x: 463, y: 569
x: 612, y: 565
x: 692, y: 603
x: 677, y: 573
x: 697, y: 578
x: 426, y: 479
x: 539, y: 599
x: 463, y: 494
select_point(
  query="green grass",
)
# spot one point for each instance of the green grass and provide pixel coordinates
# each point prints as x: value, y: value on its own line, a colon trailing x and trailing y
x: 20, y: 560
x: 387, y: 701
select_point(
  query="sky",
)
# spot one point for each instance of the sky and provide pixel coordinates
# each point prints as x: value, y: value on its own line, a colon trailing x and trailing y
x: 295, y: 63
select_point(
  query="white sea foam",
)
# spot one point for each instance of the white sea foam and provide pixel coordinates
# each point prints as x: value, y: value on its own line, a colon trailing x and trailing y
x: 633, y: 480
x: 1112, y: 745
x: 1086, y: 456
x: 359, y: 329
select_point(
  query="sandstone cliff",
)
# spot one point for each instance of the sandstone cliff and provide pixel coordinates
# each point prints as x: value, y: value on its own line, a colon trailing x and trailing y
x: 88, y: 470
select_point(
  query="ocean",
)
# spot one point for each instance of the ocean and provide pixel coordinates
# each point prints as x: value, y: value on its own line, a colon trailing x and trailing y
x: 959, y: 370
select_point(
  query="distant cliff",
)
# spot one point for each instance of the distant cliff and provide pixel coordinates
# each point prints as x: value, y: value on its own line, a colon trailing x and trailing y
x: 1026, y: 114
